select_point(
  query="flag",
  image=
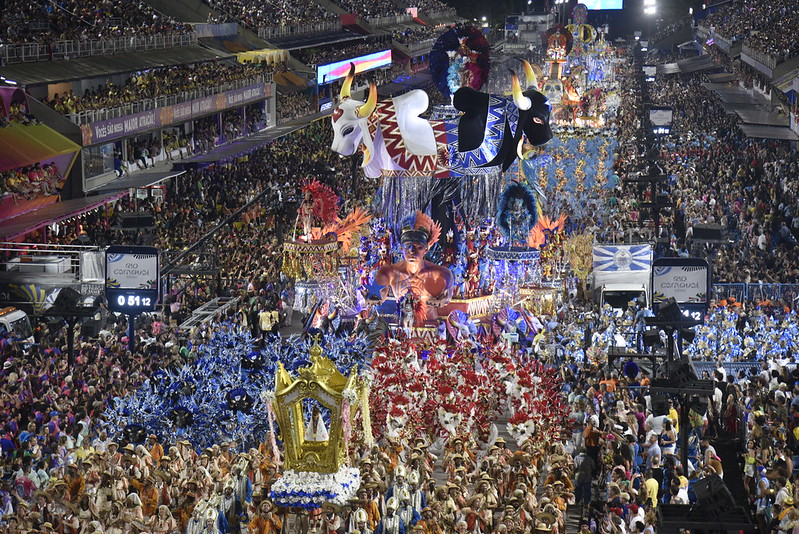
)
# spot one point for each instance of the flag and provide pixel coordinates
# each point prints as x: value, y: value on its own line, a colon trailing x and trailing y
x: 622, y: 258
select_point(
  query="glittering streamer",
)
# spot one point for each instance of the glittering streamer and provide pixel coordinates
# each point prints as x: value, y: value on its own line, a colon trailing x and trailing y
x: 270, y: 414
x: 346, y: 425
x: 368, y: 438
x: 476, y: 194
x: 479, y: 194
x: 404, y: 195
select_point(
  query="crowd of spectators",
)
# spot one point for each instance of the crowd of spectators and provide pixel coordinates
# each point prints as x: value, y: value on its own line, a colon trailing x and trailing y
x: 17, y: 114
x: 369, y: 9
x: 429, y: 6
x: 734, y: 21
x: 763, y: 25
x: 37, y: 180
x: 273, y: 13
x: 160, y: 82
x: 408, y: 36
x: 292, y: 106
x: 671, y: 27
x: 722, y: 177
x: 619, y: 461
x: 198, y: 200
x: 718, y: 176
x: 82, y: 20
x: 777, y: 38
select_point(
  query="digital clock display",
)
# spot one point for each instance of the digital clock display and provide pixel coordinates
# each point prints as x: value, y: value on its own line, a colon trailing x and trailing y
x: 131, y: 279
x: 131, y: 300
x: 134, y: 300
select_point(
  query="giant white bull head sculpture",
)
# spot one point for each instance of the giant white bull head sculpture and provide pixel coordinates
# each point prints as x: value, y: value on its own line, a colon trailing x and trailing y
x: 396, y: 141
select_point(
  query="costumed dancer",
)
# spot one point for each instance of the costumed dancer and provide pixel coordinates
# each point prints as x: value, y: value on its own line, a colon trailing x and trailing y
x: 410, y: 515
x: 267, y: 521
x: 391, y: 523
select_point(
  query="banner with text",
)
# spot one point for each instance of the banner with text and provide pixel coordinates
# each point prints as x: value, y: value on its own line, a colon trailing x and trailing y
x: 108, y: 130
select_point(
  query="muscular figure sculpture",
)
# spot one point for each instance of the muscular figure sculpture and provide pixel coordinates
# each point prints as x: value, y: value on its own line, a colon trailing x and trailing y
x: 430, y: 284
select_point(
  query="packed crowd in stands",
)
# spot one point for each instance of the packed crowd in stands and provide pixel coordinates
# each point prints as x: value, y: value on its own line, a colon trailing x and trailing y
x: 719, y: 176
x: 429, y: 6
x: 272, y: 13
x: 292, y: 106
x: 160, y: 82
x: 38, y: 180
x: 336, y: 52
x: 765, y: 26
x: 17, y: 114
x: 619, y: 460
x: 722, y: 177
x: 415, y: 35
x: 777, y: 38
x: 670, y: 28
x: 734, y: 21
x: 369, y: 9
x: 82, y: 20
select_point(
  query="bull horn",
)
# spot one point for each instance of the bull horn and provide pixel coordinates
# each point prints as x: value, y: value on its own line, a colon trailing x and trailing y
x: 529, y: 73
x: 369, y: 106
x: 521, y: 101
x: 345, y: 87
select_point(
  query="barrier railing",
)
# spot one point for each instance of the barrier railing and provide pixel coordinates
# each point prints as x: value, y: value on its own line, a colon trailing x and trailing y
x: 391, y: 20
x: 788, y: 293
x: 421, y: 45
x: 730, y: 368
x: 302, y: 29
x: 66, y: 260
x: 766, y: 59
x: 444, y: 13
x: 94, y: 115
x: 33, y: 52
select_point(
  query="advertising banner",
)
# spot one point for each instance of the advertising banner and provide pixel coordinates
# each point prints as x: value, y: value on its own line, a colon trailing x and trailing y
x: 98, y: 132
x: 685, y: 283
x: 103, y: 131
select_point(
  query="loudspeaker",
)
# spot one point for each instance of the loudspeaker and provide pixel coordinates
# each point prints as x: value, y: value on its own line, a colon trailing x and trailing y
x: 90, y: 329
x: 679, y: 374
x: 67, y: 299
x: 698, y: 404
x: 660, y: 404
x: 651, y: 337
x: 136, y: 220
x: 709, y: 232
x: 713, y: 495
x: 688, y: 335
x: 670, y: 311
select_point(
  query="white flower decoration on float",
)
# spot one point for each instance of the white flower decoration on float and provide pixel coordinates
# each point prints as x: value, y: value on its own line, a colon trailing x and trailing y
x: 308, y: 489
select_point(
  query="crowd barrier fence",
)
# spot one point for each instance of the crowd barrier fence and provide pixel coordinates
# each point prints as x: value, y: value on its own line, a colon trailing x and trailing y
x: 766, y: 59
x: 33, y: 52
x: 788, y: 293
x: 391, y: 20
x: 301, y: 29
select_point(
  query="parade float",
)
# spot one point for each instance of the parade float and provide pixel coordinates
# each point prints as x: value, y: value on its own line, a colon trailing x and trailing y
x: 314, y: 258
x: 316, y: 410
x: 488, y: 171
